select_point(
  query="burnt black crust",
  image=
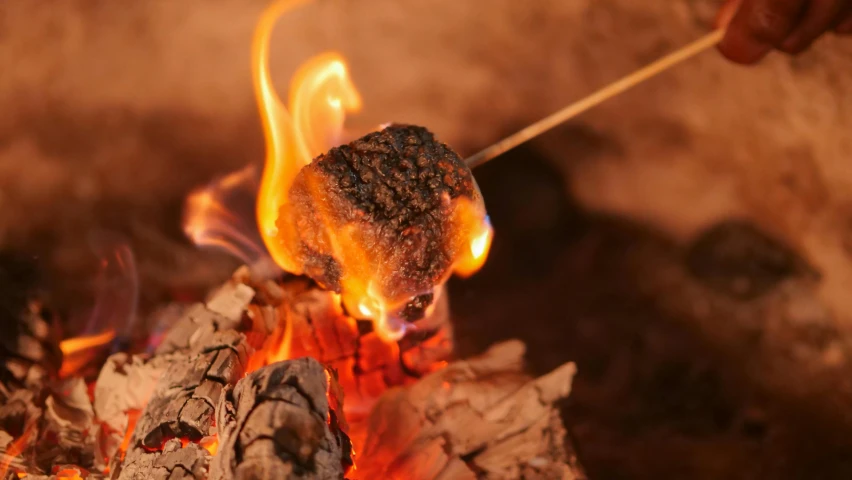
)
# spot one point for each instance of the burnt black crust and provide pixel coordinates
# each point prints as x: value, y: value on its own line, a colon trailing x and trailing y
x: 397, y: 176
x: 322, y: 268
x: 416, y: 308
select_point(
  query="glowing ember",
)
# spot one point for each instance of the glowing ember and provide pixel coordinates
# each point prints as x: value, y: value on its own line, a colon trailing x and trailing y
x: 211, y: 444
x: 69, y: 473
x: 277, y: 345
x: 331, y: 400
x: 14, y: 449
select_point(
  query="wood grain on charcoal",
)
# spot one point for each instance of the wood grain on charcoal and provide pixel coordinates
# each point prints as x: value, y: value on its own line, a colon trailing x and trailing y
x: 276, y: 424
x: 198, y: 358
x: 183, y: 407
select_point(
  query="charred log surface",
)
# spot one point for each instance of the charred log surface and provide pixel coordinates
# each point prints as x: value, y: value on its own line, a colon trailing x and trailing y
x: 19, y: 416
x: 46, y: 428
x: 21, y: 411
x: 277, y: 424
x: 182, y: 410
x: 399, y: 187
x: 479, y: 418
x: 224, y: 310
x: 172, y: 461
x: 67, y: 429
x: 42, y: 421
x: 65, y: 472
x: 122, y: 390
x: 155, y: 415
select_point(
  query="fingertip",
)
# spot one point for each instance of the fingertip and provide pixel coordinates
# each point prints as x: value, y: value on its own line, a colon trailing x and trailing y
x: 794, y: 47
x: 742, y: 49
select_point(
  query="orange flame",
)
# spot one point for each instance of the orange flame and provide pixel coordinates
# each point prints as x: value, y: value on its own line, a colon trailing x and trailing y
x: 321, y: 94
x: 470, y: 261
x: 329, y: 396
x: 69, y: 473
x: 211, y: 444
x: 211, y: 218
x: 73, y: 345
x: 14, y: 449
x: 132, y: 418
x: 77, y: 351
x: 276, y: 347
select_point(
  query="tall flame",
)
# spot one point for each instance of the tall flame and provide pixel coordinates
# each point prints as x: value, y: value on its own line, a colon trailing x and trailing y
x: 78, y: 351
x: 320, y: 95
x: 15, y: 448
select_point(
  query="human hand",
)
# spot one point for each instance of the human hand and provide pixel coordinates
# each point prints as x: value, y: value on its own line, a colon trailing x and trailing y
x: 756, y: 27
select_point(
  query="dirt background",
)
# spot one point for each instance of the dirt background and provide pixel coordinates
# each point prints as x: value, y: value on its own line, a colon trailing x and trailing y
x: 702, y: 355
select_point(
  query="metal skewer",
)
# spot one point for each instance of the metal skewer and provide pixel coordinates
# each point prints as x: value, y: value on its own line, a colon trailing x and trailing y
x: 596, y: 98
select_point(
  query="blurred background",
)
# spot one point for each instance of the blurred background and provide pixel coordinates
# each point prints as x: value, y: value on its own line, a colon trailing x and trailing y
x: 688, y: 243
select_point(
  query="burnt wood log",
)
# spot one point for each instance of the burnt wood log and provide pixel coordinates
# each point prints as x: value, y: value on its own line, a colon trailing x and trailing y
x: 45, y: 427
x: 63, y: 472
x: 199, y: 356
x: 180, y: 413
x: 277, y: 424
x: 67, y: 433
x: 20, y: 416
x: 223, y: 310
x: 122, y: 390
x: 321, y: 329
x: 163, y: 415
x: 481, y: 418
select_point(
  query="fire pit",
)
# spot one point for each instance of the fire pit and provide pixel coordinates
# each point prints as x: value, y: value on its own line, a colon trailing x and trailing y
x: 329, y: 355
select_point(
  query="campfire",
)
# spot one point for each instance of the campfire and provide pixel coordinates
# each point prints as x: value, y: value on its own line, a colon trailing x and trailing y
x: 328, y: 355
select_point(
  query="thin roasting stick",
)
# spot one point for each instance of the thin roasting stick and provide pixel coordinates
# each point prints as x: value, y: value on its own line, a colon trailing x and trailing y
x: 596, y: 98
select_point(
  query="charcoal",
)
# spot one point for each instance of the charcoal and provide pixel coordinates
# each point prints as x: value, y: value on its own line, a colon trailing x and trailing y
x: 122, y: 390
x: 182, y: 408
x: 67, y: 433
x: 478, y: 418
x: 277, y: 424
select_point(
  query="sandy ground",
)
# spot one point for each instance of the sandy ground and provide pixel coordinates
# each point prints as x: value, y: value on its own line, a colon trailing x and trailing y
x: 112, y: 112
